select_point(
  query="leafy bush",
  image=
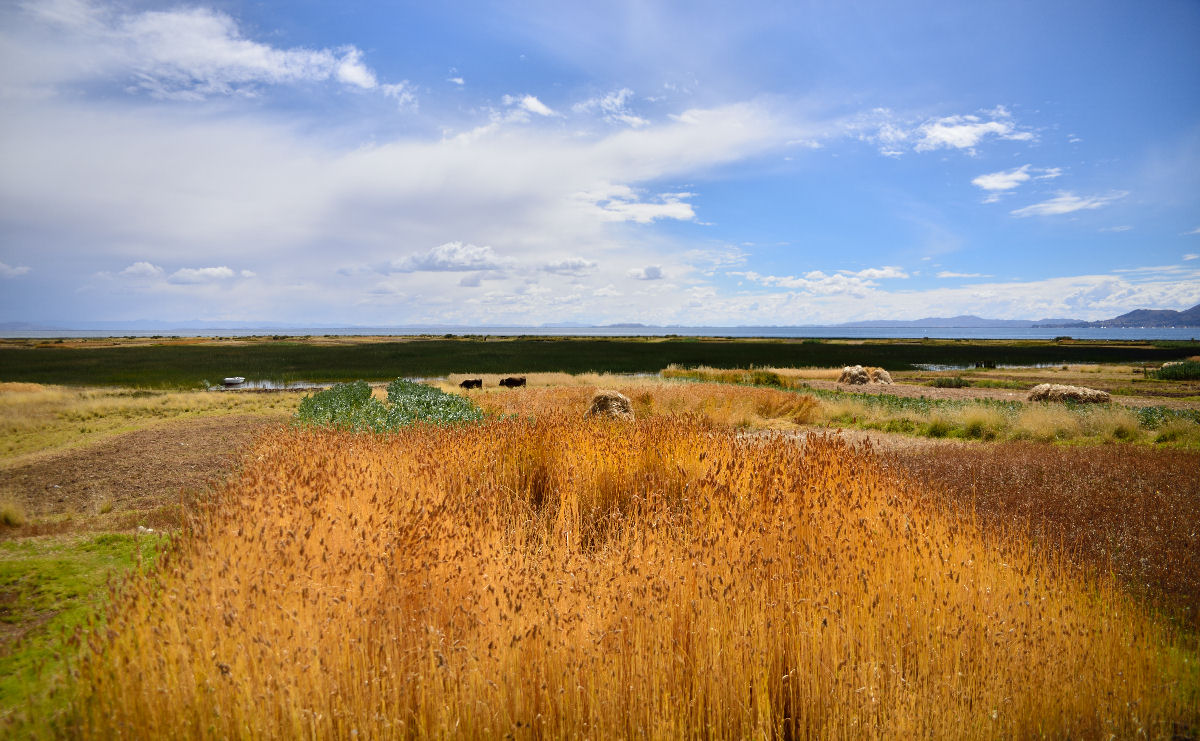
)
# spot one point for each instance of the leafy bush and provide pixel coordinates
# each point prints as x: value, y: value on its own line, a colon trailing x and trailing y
x: 351, y: 406
x: 945, y: 382
x: 1188, y: 370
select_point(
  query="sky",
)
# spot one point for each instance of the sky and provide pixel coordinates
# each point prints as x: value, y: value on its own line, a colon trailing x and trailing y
x: 522, y: 163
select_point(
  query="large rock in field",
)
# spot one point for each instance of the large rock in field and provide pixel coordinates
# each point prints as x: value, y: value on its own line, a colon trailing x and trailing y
x: 610, y: 404
x: 854, y: 375
x: 1059, y: 392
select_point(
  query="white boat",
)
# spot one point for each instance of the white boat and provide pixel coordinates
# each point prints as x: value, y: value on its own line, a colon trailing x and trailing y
x: 234, y: 381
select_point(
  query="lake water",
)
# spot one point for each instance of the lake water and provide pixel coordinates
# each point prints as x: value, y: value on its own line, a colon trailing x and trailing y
x: 994, y: 333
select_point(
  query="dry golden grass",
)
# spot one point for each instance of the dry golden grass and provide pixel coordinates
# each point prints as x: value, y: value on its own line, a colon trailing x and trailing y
x: 731, y: 405
x: 660, y: 578
x: 36, y: 418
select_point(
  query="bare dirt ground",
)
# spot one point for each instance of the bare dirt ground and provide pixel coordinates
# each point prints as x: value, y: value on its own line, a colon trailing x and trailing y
x: 128, y: 479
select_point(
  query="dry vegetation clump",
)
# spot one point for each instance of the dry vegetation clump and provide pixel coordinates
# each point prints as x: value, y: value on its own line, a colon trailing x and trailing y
x: 1131, y: 510
x: 658, y: 578
x: 612, y: 404
x: 738, y: 406
x: 1059, y: 392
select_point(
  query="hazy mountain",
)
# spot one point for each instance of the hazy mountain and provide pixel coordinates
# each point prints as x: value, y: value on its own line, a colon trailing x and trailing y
x: 1152, y: 318
x: 966, y: 320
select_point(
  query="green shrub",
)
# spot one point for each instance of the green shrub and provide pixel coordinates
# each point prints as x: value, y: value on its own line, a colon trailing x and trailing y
x: 351, y: 406
x: 1188, y: 370
x: 945, y: 382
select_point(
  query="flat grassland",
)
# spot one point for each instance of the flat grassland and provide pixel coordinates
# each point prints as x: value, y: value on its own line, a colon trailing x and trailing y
x: 717, y: 567
x: 188, y: 363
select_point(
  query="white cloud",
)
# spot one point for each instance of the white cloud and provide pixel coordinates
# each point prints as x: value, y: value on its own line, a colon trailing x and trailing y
x: 1123, y: 228
x: 186, y: 53
x: 570, y: 266
x: 451, y: 257
x: 1066, y: 202
x: 142, y: 269
x: 887, y: 271
x: 894, y: 134
x: 457, y: 81
x: 1194, y: 231
x: 951, y: 274
x: 650, y: 272
x: 1004, y: 180
x: 819, y: 283
x: 1190, y: 256
x: 529, y: 104
x: 623, y: 203
x: 608, y: 291
x: 613, y: 107
x: 9, y: 271
x: 966, y: 132
x: 197, y: 276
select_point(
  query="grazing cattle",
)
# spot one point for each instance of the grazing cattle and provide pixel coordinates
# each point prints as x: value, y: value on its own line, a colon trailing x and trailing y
x: 512, y: 381
x: 472, y: 383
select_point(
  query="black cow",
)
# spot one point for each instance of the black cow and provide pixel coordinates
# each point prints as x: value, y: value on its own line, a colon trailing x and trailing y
x: 472, y: 383
x: 512, y: 381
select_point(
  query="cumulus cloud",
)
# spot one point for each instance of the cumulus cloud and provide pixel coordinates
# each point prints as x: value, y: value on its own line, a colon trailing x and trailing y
x: 451, y: 257
x: 650, y: 272
x: 10, y: 271
x: 575, y: 266
x: 1066, y: 202
x: 186, y: 53
x: 964, y: 132
x: 613, y: 107
x: 197, y: 276
x: 817, y: 282
x: 142, y: 269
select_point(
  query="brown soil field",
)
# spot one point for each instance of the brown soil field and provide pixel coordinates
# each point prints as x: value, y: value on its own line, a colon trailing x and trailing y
x: 131, y: 479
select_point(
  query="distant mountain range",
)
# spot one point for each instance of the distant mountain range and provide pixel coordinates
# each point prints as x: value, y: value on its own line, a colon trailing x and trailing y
x: 1150, y: 318
x: 1137, y: 318
x: 965, y: 320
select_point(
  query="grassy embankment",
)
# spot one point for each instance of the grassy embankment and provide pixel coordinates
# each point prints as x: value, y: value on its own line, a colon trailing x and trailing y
x: 186, y: 364
x: 663, y: 578
x: 982, y: 419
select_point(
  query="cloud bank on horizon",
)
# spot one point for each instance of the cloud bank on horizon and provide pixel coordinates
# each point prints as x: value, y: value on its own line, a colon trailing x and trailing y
x: 547, y: 162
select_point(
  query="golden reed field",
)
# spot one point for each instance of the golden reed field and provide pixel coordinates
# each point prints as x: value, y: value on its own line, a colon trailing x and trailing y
x: 663, y: 578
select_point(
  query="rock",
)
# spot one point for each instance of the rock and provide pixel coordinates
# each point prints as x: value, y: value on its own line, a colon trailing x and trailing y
x: 1059, y: 392
x: 610, y: 404
x: 854, y: 375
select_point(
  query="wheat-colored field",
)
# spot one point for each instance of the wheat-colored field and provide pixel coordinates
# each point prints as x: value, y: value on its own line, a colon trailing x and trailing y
x: 663, y: 578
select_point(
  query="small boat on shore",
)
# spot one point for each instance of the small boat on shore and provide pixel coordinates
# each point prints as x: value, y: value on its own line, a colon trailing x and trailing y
x: 234, y: 381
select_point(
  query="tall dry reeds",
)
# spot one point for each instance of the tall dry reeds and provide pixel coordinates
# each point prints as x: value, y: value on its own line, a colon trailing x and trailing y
x: 561, y: 578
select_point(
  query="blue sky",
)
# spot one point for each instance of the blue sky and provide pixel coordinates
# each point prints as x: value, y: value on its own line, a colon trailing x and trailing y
x: 667, y: 163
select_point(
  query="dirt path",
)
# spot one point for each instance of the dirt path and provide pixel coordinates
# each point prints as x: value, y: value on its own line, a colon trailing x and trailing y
x: 125, y: 479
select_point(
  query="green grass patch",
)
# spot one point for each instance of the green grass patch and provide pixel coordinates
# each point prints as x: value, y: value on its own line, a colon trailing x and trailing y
x: 947, y: 382
x: 50, y: 587
x: 186, y: 366
x: 351, y: 406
